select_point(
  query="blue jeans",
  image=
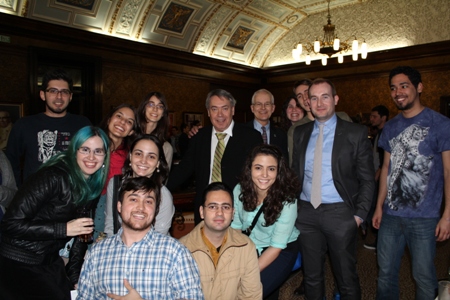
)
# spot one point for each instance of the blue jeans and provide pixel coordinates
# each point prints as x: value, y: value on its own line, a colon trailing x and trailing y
x: 418, y: 234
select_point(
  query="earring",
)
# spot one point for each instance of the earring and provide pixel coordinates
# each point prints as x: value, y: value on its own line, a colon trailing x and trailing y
x: 103, y: 166
x: 157, y: 170
x: 130, y: 164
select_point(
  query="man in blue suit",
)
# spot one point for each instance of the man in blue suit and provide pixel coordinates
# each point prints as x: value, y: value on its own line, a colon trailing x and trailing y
x: 199, y: 158
x: 262, y: 107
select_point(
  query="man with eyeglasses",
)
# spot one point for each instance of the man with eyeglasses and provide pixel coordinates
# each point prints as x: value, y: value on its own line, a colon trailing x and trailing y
x: 226, y: 258
x: 43, y: 135
x: 263, y: 106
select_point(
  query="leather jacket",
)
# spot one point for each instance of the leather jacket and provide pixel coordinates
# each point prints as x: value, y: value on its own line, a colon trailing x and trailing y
x: 34, y: 226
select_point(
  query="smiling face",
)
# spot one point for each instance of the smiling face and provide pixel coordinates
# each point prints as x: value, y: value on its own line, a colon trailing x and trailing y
x: 154, y: 110
x: 301, y: 92
x: 220, y: 112
x: 293, y: 112
x: 91, y: 163
x: 137, y: 210
x: 56, y: 104
x: 262, y: 108
x: 264, y: 173
x: 322, y: 101
x: 121, y: 123
x: 220, y: 220
x: 144, y: 158
x: 404, y: 93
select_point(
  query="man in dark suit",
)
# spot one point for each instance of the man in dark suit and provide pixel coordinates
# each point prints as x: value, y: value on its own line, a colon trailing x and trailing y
x: 263, y: 106
x: 199, y: 158
x: 337, y: 190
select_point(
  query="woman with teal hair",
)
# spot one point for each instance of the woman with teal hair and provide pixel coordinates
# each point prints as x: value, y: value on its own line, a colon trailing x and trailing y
x: 43, y: 216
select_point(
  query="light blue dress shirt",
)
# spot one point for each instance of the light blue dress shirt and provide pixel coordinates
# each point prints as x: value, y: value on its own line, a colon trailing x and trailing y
x: 329, y: 192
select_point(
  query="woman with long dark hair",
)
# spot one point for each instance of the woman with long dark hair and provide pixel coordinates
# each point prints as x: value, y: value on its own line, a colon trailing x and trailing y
x: 269, y: 185
x: 153, y: 118
x: 291, y: 112
x: 43, y: 216
x: 120, y: 126
x: 145, y: 159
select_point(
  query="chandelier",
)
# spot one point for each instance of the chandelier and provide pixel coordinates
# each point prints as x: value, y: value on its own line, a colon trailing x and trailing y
x: 329, y: 46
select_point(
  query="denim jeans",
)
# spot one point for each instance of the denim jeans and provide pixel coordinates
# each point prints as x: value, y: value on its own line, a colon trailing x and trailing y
x: 418, y: 234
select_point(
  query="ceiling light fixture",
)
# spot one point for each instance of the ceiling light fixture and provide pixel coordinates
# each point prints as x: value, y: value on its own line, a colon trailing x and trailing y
x: 329, y: 46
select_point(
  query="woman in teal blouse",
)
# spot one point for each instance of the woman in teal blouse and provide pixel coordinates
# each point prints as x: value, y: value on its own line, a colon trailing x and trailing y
x: 267, y: 180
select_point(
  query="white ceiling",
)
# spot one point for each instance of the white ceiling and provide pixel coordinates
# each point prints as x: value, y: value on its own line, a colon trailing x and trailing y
x: 248, y: 32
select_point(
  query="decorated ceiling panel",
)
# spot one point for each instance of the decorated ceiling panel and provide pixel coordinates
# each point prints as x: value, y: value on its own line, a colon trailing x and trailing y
x: 257, y: 33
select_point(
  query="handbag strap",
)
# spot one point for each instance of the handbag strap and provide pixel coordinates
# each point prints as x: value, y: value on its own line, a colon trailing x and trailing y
x: 115, y: 199
x: 255, y: 219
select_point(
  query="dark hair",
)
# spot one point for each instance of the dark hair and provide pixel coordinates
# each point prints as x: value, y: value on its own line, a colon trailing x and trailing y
x: 286, y: 123
x: 83, y: 190
x: 183, y: 126
x: 412, y: 74
x: 304, y: 81
x: 217, y: 186
x: 284, y: 190
x: 320, y: 81
x: 143, y: 184
x: 104, y: 124
x: 158, y: 176
x: 221, y: 94
x: 162, y: 128
x: 382, y: 111
x: 56, y: 74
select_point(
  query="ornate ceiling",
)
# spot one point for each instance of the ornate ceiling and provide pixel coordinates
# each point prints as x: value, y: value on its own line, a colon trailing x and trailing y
x: 257, y: 33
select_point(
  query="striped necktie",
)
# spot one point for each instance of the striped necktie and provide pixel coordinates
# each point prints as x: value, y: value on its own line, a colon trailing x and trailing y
x: 220, y: 148
x: 316, y: 191
x: 264, y: 134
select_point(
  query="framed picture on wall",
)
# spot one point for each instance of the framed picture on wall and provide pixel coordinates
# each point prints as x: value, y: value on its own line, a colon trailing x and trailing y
x: 9, y: 114
x: 193, y: 118
x: 171, y: 119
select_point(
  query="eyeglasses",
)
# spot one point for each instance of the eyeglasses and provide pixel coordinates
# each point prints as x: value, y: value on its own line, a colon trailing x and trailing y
x: 87, y: 151
x: 262, y: 105
x: 226, y: 208
x: 153, y: 105
x: 55, y: 92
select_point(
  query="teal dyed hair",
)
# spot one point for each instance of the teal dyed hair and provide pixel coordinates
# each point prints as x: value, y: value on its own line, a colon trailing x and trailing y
x: 83, y: 190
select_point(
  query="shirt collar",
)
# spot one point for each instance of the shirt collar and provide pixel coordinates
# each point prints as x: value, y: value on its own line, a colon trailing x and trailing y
x: 328, y: 123
x: 228, y: 131
x: 258, y: 125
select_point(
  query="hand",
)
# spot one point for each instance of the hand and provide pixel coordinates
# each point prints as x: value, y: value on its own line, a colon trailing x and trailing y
x: 443, y: 229
x: 194, y: 130
x: 376, y: 220
x: 80, y: 226
x: 358, y: 221
x: 132, y: 295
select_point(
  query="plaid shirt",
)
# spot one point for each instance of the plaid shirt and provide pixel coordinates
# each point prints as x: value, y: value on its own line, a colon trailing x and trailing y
x: 158, y: 267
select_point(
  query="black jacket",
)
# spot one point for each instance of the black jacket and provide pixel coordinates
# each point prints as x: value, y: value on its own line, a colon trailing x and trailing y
x: 34, y: 226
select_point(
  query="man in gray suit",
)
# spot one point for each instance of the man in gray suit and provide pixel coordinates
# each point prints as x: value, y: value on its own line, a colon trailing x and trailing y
x: 337, y: 190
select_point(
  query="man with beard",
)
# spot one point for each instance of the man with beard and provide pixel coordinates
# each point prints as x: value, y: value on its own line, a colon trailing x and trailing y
x: 414, y: 176
x: 139, y: 262
x: 41, y: 136
x: 226, y: 258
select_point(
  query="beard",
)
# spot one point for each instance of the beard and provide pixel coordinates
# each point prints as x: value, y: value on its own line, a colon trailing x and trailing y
x: 405, y: 107
x: 136, y: 226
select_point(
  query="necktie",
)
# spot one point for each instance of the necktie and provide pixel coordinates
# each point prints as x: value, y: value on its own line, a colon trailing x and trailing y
x: 220, y: 148
x: 264, y: 134
x: 316, y: 192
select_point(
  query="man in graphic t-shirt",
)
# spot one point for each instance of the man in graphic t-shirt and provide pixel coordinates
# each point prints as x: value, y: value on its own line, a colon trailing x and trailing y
x: 41, y: 136
x: 415, y: 172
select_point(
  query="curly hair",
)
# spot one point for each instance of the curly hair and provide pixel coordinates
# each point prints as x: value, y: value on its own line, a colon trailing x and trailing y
x: 162, y: 128
x: 284, y: 190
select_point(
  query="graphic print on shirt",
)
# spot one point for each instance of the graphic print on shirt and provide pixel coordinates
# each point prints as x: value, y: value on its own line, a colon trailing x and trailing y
x: 410, y: 170
x: 51, y: 143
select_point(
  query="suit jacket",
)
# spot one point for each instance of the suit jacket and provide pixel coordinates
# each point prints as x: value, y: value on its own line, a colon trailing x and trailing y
x: 351, y: 163
x: 277, y: 137
x: 197, y: 160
